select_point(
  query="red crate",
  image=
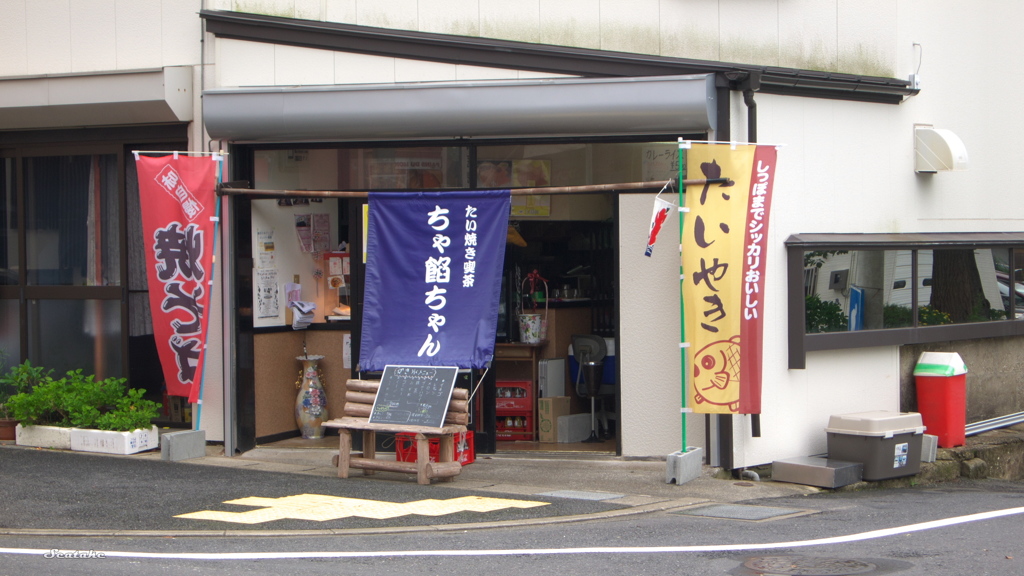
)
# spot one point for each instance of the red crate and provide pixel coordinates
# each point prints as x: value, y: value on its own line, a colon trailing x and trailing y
x: 514, y: 426
x: 405, y: 447
x: 513, y: 395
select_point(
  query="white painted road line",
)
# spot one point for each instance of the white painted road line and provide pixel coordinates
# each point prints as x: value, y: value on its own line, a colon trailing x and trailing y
x: 526, y: 552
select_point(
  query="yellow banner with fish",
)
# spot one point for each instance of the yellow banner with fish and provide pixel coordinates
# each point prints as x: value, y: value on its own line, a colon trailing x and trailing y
x: 724, y: 244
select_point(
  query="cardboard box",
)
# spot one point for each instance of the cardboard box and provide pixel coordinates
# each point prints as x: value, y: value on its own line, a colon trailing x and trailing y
x: 548, y: 411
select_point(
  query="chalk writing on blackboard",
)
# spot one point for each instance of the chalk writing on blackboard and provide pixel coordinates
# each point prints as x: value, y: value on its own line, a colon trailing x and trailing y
x: 414, y: 395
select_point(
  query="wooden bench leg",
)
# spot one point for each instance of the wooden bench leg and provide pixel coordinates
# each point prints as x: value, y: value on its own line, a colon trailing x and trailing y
x: 369, y: 449
x: 446, y: 453
x: 422, y: 458
x: 344, y: 452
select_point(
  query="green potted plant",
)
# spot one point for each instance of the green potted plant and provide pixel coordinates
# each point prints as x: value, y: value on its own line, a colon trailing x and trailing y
x: 20, y: 378
x: 82, y: 413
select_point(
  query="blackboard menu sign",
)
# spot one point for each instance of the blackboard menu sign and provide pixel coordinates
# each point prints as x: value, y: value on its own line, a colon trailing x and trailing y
x: 414, y: 395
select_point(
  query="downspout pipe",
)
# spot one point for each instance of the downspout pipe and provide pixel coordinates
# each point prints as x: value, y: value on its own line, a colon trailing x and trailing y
x: 748, y: 99
x: 750, y: 85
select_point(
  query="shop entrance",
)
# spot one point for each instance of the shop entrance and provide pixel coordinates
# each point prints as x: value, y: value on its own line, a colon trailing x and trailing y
x: 559, y: 288
x: 560, y: 276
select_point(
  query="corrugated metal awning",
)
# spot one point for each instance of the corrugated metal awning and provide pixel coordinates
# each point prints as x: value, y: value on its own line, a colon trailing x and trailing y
x: 550, y: 107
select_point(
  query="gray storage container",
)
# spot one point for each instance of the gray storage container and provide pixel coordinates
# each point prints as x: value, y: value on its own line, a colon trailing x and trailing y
x: 888, y: 444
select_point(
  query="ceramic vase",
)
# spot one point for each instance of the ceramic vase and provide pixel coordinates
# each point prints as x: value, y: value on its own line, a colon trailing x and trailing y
x: 311, y: 403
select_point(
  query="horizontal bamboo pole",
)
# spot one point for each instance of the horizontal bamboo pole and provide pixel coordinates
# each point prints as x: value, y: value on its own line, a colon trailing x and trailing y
x: 549, y: 190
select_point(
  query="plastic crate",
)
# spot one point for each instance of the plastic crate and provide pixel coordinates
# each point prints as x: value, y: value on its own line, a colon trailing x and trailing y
x: 513, y: 395
x: 514, y: 426
x: 405, y: 447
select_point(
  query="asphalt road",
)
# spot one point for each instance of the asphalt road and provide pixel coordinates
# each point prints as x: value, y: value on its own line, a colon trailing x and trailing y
x: 968, y: 527
x: 54, y: 490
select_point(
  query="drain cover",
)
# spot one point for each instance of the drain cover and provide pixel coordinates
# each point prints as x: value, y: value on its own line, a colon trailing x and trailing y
x: 578, y: 495
x: 739, y: 511
x: 806, y: 566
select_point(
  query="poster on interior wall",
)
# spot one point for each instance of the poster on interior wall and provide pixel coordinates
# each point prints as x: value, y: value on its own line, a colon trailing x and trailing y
x: 433, y: 278
x: 304, y: 231
x: 178, y: 198
x: 268, y: 293
x: 660, y: 162
x: 265, y: 249
x: 724, y: 249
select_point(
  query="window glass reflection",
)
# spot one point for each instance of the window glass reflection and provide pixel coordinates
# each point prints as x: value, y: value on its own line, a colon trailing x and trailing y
x: 10, y: 342
x: 71, y: 334
x: 866, y: 290
x: 419, y: 168
x: 8, y: 224
x: 964, y: 286
x: 72, y: 220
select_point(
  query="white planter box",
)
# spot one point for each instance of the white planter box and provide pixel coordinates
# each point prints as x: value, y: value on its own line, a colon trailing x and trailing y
x: 43, y: 437
x: 108, y: 442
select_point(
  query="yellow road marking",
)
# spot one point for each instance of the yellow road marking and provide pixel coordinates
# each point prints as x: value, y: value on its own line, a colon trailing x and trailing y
x: 318, y: 508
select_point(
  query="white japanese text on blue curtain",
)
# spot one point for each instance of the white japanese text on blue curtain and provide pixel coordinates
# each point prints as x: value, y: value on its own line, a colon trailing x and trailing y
x: 433, y: 278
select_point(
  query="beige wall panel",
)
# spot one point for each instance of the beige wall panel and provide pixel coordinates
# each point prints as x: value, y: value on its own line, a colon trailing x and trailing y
x: 750, y: 32
x: 510, y: 19
x: 807, y: 34
x: 416, y: 71
x: 690, y: 29
x: 630, y: 26
x: 529, y: 75
x: 571, y: 23
x: 139, y: 42
x: 458, y: 17
x: 48, y: 25
x: 867, y: 35
x: 309, y: 9
x: 93, y: 45
x: 649, y: 360
x: 302, y: 66
x: 244, y: 63
x: 395, y: 14
x: 341, y: 11
x: 14, y: 38
x: 363, y: 69
x: 466, y: 73
x: 182, y: 32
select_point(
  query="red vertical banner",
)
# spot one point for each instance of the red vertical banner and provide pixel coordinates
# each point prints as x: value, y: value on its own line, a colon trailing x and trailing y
x: 724, y: 246
x: 759, y: 202
x: 178, y: 199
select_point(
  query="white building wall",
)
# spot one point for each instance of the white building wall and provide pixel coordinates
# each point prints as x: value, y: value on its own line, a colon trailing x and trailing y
x: 852, y: 36
x: 80, y: 36
x: 649, y: 355
x: 844, y: 167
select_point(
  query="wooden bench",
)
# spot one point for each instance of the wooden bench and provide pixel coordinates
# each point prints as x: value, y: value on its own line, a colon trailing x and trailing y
x: 359, y: 397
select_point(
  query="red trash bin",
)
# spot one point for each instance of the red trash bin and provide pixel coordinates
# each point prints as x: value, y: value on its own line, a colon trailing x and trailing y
x: 941, y: 382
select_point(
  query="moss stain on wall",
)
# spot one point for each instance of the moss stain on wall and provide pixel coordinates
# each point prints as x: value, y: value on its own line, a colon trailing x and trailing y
x: 636, y: 38
x: 266, y: 8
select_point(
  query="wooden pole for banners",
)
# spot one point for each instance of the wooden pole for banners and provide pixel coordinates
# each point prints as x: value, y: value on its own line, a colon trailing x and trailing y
x: 229, y: 190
